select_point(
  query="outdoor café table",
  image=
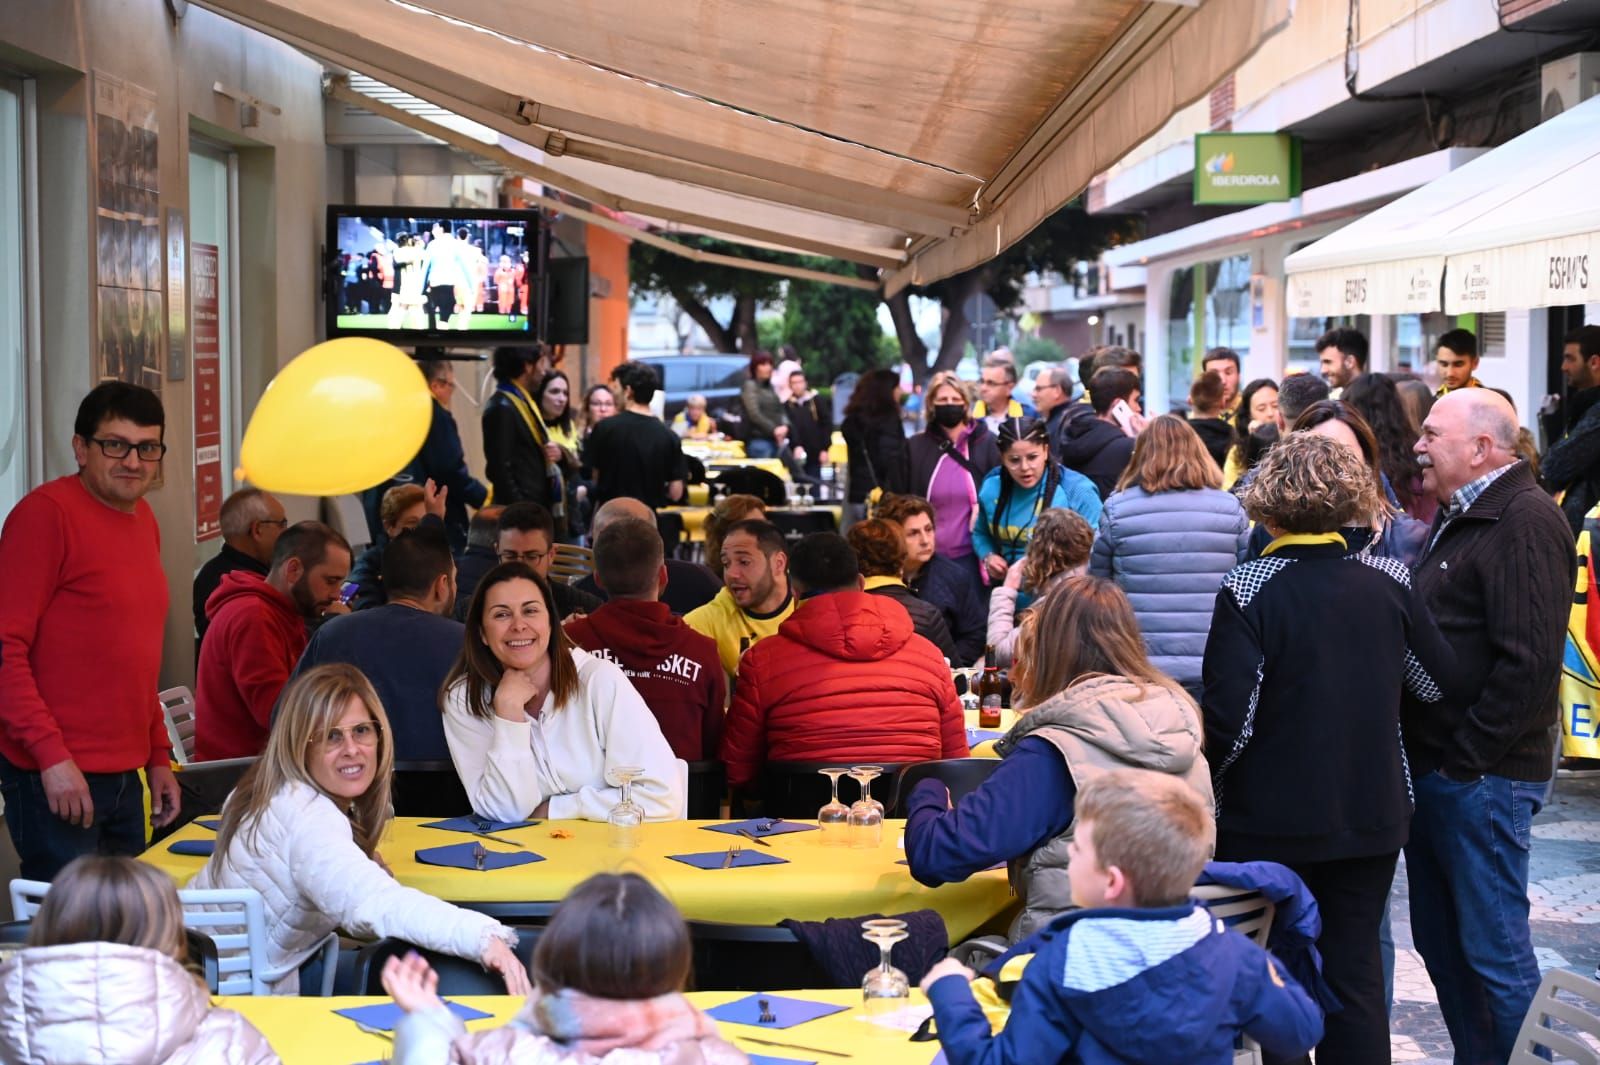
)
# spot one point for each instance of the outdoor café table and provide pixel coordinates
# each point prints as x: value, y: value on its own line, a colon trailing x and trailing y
x: 815, y: 883
x: 984, y: 747
x: 306, y: 1031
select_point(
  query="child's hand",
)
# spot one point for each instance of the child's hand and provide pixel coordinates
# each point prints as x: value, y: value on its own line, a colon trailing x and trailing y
x: 1014, y: 575
x: 947, y: 967
x: 412, y: 983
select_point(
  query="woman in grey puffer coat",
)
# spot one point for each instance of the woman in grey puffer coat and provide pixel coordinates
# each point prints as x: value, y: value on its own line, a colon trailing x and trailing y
x: 1168, y: 535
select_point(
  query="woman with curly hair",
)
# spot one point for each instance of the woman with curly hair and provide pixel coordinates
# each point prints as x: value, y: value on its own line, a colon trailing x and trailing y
x: 1059, y: 549
x: 1311, y: 649
x: 1168, y: 534
x: 1375, y: 397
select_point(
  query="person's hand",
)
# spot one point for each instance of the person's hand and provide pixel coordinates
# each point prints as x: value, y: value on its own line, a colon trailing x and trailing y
x: 1549, y: 405
x: 412, y: 983
x: 1136, y: 423
x: 781, y: 433
x: 433, y: 498
x: 799, y: 454
x: 552, y: 452
x: 947, y: 967
x: 68, y: 793
x: 1014, y: 575
x: 165, y: 797
x: 542, y: 811
x: 338, y: 606
x: 513, y: 694
x: 499, y: 958
x: 996, y: 567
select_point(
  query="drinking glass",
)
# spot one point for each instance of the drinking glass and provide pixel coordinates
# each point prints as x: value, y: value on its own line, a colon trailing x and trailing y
x: 866, y: 816
x: 625, y: 817
x: 885, y: 988
x: 832, y: 818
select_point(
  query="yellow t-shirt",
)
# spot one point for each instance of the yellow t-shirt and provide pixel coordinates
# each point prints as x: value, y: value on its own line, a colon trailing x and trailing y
x: 734, y: 630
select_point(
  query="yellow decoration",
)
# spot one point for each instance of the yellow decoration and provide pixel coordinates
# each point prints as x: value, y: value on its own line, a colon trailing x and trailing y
x: 342, y: 417
x: 1580, y: 668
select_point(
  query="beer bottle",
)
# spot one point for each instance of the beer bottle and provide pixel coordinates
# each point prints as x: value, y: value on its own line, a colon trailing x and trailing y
x: 989, y: 691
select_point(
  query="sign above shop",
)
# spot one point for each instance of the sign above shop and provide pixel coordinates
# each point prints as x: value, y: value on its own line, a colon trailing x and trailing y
x: 1246, y: 168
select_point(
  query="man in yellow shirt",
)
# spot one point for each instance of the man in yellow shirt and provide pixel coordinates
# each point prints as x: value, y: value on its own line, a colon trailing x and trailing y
x: 1458, y: 361
x: 755, y: 597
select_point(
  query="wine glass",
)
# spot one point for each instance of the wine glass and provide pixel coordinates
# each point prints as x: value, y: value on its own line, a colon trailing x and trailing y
x: 832, y: 818
x: 625, y: 817
x: 885, y: 988
x: 865, y: 820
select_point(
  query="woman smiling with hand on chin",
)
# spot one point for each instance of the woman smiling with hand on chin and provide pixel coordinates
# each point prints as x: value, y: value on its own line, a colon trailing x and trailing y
x: 302, y: 829
x: 536, y: 724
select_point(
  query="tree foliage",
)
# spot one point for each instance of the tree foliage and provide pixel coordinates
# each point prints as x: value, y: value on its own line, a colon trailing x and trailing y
x: 694, y: 286
x: 835, y: 329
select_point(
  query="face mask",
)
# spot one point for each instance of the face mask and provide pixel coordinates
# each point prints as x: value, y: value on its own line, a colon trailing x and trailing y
x: 949, y: 415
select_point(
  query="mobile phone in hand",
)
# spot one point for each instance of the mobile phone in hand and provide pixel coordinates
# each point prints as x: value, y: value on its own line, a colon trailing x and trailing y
x: 1123, y: 415
x: 347, y: 592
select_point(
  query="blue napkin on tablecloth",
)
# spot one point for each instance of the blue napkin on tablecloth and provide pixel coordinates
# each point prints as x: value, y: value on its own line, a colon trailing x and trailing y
x: 976, y: 736
x: 714, y: 859
x: 476, y: 824
x: 385, y: 1015
x: 199, y: 848
x: 767, y: 1059
x: 213, y: 823
x: 460, y: 856
x: 787, y: 1012
x: 754, y: 825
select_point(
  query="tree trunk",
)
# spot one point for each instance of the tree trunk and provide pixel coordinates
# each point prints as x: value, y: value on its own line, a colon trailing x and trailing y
x: 954, y: 294
x: 720, y: 336
x: 912, y: 349
x: 744, y: 324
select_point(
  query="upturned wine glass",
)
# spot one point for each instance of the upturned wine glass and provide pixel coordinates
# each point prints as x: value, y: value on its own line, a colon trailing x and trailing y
x: 833, y: 818
x: 625, y: 817
x: 885, y: 988
x: 866, y: 816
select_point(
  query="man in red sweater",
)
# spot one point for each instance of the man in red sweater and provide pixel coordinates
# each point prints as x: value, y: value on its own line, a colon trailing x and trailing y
x: 257, y: 632
x: 80, y: 644
x: 846, y: 680
x: 675, y: 669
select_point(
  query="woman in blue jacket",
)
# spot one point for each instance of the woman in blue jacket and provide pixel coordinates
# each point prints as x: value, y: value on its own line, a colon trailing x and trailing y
x: 1026, y: 484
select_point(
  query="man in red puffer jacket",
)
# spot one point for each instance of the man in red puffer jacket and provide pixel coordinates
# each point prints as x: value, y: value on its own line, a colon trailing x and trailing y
x: 845, y: 679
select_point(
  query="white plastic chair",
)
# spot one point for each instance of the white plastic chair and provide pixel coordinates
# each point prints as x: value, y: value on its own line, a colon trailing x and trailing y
x: 26, y: 898
x: 1249, y: 913
x: 177, y: 708
x: 347, y: 515
x: 235, y: 920
x: 1536, y: 1032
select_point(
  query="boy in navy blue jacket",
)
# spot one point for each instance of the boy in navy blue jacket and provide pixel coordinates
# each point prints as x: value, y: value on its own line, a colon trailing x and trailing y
x: 1141, y: 975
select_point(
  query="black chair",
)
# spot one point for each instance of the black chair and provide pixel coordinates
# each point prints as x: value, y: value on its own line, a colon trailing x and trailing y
x: 202, y: 789
x: 752, y: 481
x: 428, y: 789
x: 694, y: 470
x: 731, y: 957
x: 708, y: 783
x: 798, y: 790
x: 670, y: 525
x: 457, y: 976
x: 797, y: 523
x: 961, y: 775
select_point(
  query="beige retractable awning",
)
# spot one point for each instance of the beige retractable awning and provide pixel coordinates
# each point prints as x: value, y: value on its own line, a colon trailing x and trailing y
x: 925, y: 138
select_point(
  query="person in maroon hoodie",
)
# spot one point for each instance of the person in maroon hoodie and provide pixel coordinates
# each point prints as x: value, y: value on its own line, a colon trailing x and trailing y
x: 675, y: 669
x: 257, y: 633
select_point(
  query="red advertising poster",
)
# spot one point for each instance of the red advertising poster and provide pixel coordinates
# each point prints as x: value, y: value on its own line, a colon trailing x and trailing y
x: 207, y: 394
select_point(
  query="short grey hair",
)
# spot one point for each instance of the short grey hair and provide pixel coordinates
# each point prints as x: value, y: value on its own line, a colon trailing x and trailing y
x: 1001, y: 362
x: 243, y: 509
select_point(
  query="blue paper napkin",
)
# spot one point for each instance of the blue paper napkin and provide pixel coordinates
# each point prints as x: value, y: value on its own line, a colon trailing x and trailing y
x: 714, y: 859
x: 976, y: 736
x: 755, y: 827
x: 200, y: 848
x: 787, y: 1012
x: 477, y: 824
x: 385, y: 1015
x: 213, y: 823
x: 460, y: 856
x: 767, y: 1059
x: 939, y: 1058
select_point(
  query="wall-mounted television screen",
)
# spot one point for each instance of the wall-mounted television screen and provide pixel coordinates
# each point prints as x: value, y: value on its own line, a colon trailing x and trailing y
x: 431, y: 275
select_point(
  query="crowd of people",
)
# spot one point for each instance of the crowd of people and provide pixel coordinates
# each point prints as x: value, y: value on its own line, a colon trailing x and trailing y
x: 1316, y: 622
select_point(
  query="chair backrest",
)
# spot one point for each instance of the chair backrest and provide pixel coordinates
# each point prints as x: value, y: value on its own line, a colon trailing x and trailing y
x: 1244, y: 911
x: 797, y: 523
x: 571, y: 563
x: 961, y: 775
x: 26, y: 898
x: 669, y: 523
x: 751, y: 480
x: 708, y: 783
x: 457, y: 976
x: 234, y: 919
x: 730, y: 957
x: 428, y: 789
x: 177, y: 709
x: 349, y: 517
x: 799, y: 790
x: 1582, y: 1016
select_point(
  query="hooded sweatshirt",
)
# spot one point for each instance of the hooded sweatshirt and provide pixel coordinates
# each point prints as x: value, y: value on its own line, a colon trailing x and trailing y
x: 110, y: 1004
x: 1095, y: 448
x: 255, y: 638
x: 846, y: 677
x: 673, y: 668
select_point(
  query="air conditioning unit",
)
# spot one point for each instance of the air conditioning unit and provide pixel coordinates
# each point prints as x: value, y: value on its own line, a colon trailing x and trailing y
x: 1567, y: 82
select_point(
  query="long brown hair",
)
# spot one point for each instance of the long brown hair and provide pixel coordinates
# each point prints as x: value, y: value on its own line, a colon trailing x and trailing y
x: 312, y: 704
x: 1084, y: 627
x: 101, y: 899
x: 481, y: 670
x: 614, y: 936
x: 1169, y: 457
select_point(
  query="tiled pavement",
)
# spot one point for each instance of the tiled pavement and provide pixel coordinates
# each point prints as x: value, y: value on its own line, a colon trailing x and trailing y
x: 1565, y: 893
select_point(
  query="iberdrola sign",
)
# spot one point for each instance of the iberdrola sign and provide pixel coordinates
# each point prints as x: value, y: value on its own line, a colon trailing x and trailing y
x: 1243, y: 168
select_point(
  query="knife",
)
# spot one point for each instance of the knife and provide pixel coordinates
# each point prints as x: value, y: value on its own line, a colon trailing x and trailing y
x: 752, y: 837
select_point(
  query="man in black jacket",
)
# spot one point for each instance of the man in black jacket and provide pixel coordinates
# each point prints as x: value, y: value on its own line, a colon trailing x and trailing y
x: 441, y: 460
x: 1573, y: 462
x: 1498, y: 576
x: 1099, y: 447
x: 810, y: 425
x: 518, y: 455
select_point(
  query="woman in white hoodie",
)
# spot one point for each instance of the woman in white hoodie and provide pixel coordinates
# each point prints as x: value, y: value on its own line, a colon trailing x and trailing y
x: 536, y: 726
x: 103, y: 980
x: 302, y: 829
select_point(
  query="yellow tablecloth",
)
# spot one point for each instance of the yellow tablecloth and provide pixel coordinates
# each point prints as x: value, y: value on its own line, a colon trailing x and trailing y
x: 772, y: 466
x: 986, y: 748
x: 306, y: 1031
x: 816, y: 883
x: 694, y: 517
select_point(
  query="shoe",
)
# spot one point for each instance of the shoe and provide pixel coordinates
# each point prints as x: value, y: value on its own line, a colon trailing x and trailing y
x: 1578, y: 767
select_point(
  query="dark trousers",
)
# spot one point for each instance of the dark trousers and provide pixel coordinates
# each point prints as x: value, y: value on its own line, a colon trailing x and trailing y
x: 1352, y: 895
x: 46, y: 843
x: 441, y: 305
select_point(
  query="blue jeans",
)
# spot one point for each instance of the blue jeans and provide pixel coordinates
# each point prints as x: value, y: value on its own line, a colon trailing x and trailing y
x: 45, y: 843
x: 759, y: 448
x: 1467, y: 863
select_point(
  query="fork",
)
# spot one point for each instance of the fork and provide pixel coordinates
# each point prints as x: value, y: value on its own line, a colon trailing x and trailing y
x: 379, y: 1032
x: 734, y: 850
x: 478, y: 855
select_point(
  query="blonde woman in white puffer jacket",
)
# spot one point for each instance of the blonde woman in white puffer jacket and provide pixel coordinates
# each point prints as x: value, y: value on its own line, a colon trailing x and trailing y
x: 302, y: 828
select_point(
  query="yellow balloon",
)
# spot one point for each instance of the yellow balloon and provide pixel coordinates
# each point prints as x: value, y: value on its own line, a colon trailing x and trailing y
x: 341, y: 417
